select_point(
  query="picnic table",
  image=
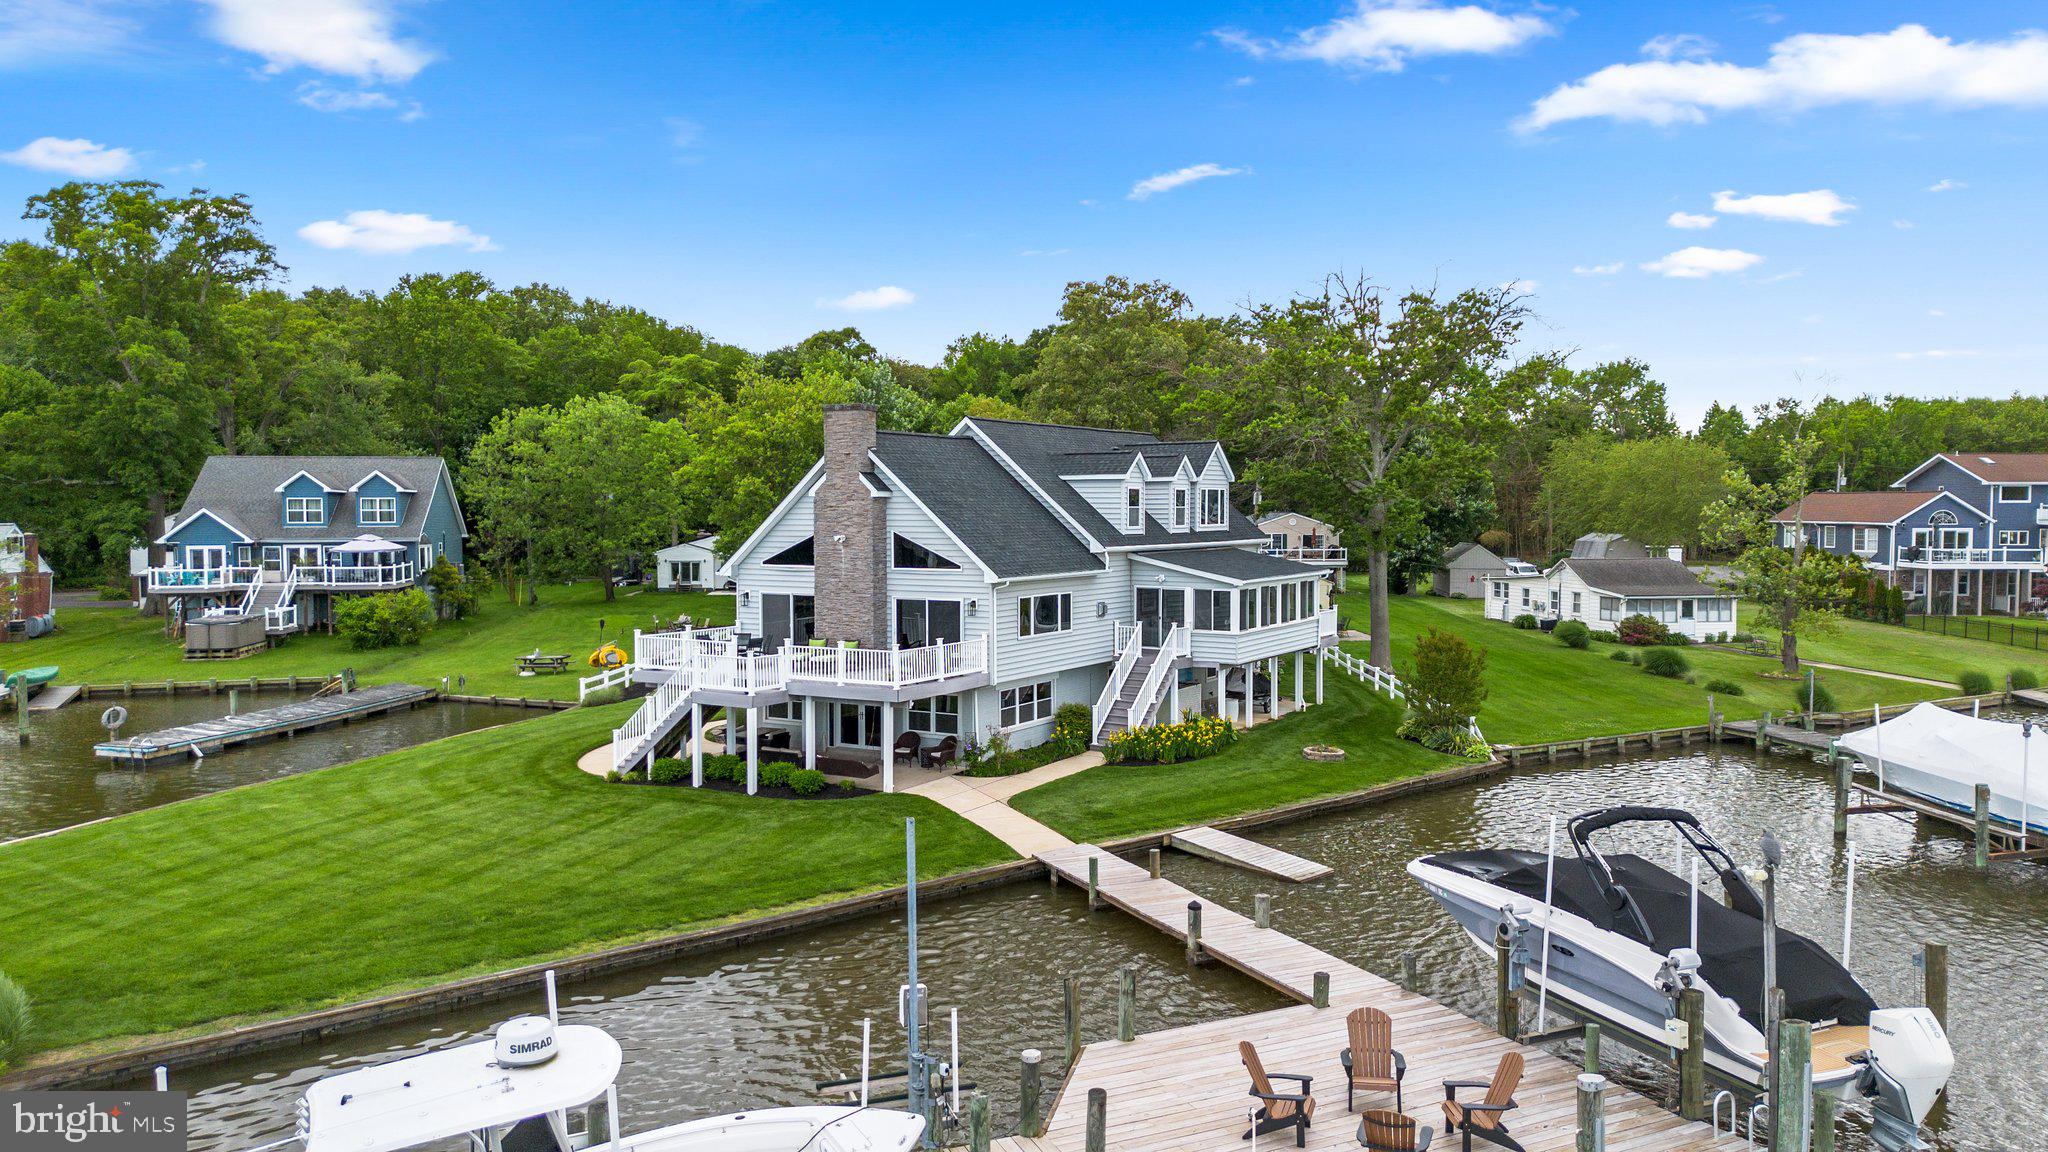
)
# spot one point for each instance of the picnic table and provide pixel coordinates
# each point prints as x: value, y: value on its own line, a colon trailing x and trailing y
x: 534, y: 663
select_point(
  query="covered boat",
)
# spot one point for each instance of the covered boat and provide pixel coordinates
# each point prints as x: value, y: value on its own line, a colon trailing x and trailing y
x: 29, y: 681
x: 1941, y: 756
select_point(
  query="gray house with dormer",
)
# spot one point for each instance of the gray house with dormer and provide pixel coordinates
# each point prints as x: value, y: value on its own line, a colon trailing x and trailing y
x: 1961, y: 533
x: 912, y: 589
x: 286, y: 536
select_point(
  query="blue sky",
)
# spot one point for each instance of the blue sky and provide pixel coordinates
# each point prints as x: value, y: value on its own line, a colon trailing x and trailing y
x: 764, y: 170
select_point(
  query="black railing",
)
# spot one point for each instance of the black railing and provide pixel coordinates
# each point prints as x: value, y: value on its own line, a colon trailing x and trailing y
x: 2016, y: 633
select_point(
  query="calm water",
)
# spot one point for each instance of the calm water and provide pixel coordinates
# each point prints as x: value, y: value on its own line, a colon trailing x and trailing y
x: 759, y: 1025
x: 55, y: 781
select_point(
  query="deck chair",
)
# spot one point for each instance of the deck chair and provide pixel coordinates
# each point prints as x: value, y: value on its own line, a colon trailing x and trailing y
x: 908, y: 744
x: 1371, y: 1064
x: 1277, y: 1111
x: 941, y: 752
x: 1487, y: 1119
x: 1383, y: 1131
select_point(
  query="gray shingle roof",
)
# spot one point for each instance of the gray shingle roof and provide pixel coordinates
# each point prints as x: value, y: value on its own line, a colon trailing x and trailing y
x: 242, y: 490
x: 1045, y: 452
x: 998, y: 519
x: 1237, y: 564
x: 1654, y: 577
x: 1607, y: 546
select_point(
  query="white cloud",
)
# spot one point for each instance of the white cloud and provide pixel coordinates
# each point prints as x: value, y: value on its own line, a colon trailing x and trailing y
x: 1521, y: 287
x: 1936, y: 312
x: 382, y: 233
x: 1946, y: 185
x: 1151, y: 186
x: 1384, y: 35
x: 1044, y: 252
x: 1902, y: 224
x: 338, y: 37
x: 684, y: 133
x: 1696, y: 263
x: 1820, y: 206
x: 872, y: 299
x: 1690, y: 220
x: 1682, y: 46
x: 80, y: 158
x: 1243, y: 82
x: 38, y: 31
x: 1936, y: 354
x: 1904, y: 66
x: 1597, y: 269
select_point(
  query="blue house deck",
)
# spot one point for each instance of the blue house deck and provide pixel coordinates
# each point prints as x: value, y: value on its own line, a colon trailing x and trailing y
x: 210, y: 736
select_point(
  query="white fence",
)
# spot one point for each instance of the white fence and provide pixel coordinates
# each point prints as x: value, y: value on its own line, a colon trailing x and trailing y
x: 1375, y: 677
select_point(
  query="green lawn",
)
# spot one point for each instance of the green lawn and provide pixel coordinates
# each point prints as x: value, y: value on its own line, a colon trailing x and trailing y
x: 1265, y: 769
x: 468, y: 855
x: 1539, y: 690
x: 1910, y: 652
x: 116, y: 643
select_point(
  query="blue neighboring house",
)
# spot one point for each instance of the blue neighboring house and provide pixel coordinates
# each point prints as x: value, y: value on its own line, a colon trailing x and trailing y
x: 286, y: 535
x: 1961, y: 533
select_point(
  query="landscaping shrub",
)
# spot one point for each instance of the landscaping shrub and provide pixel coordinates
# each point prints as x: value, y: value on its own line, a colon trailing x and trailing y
x: 1072, y: 724
x: 1191, y: 739
x: 1974, y: 683
x: 1525, y: 622
x: 386, y: 620
x: 806, y: 781
x: 1606, y: 638
x: 115, y: 590
x: 1675, y: 640
x: 1573, y: 634
x: 1666, y: 662
x: 1724, y: 687
x: 773, y: 774
x: 668, y: 770
x: 2024, y: 678
x: 1821, y: 699
x: 1743, y: 638
x: 455, y: 594
x: 1642, y: 631
x: 603, y: 696
x: 1446, y: 686
x: 1624, y: 657
x: 724, y: 767
x: 15, y: 1020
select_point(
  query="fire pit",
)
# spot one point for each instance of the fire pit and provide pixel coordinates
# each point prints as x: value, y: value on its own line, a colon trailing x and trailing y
x: 1324, y: 752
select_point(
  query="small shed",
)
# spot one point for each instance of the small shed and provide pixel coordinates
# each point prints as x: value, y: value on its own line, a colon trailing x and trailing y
x: 1465, y: 570
x: 691, y: 565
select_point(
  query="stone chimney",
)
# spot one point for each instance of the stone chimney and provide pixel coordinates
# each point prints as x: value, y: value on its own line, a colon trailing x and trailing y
x: 850, y: 534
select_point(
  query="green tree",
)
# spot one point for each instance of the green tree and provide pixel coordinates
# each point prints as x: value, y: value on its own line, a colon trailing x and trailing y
x: 1367, y: 404
x: 1135, y: 355
x: 1802, y: 589
x: 748, y: 453
x: 1651, y: 490
x: 443, y: 338
x: 1447, y: 683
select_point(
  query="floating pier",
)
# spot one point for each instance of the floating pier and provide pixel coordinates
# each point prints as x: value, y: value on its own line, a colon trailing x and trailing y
x: 1767, y: 734
x: 1216, y: 844
x: 210, y: 736
x: 1186, y: 1087
x: 52, y: 698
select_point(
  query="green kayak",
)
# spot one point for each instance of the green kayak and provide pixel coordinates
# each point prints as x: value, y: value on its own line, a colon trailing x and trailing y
x: 28, y: 680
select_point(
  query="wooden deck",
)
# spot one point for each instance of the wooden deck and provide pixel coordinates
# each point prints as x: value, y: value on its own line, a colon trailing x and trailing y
x: 52, y: 698
x: 2035, y: 696
x: 1787, y: 734
x: 1184, y: 1088
x: 210, y: 736
x: 1216, y: 844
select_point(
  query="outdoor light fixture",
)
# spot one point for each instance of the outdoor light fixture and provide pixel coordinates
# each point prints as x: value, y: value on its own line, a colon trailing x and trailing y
x: 746, y: 597
x: 1101, y: 609
x: 973, y: 606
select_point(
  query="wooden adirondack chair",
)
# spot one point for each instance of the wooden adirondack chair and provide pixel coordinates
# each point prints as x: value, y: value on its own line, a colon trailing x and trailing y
x: 1277, y: 1110
x: 1371, y: 1064
x: 1381, y: 1130
x: 1487, y: 1119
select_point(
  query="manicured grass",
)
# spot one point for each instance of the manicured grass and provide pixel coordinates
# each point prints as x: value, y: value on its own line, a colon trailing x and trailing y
x: 1539, y: 690
x: 468, y: 855
x: 116, y: 643
x: 1910, y: 652
x: 1264, y: 769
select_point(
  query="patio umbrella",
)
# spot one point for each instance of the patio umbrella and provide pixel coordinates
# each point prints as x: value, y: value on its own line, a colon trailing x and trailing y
x: 368, y: 543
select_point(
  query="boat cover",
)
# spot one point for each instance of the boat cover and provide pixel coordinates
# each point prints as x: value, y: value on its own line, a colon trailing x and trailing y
x: 1945, y: 755
x: 1817, y: 988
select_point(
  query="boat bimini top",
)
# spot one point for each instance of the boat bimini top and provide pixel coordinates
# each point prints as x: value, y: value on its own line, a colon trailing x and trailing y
x: 1628, y: 895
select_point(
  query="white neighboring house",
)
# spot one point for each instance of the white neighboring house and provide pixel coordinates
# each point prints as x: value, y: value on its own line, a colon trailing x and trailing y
x: 912, y: 588
x: 1602, y: 593
x: 1293, y: 536
x: 691, y: 564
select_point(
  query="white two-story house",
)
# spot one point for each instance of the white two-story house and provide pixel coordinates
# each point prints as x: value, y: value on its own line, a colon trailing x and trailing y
x: 915, y: 588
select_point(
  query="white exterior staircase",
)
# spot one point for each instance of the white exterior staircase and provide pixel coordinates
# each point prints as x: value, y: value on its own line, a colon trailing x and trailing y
x: 1137, y: 681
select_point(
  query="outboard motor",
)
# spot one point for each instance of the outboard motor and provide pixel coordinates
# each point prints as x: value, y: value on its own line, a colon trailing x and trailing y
x: 1903, y: 1073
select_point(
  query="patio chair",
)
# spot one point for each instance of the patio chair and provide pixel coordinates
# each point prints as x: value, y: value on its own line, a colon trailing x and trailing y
x: 941, y: 752
x: 908, y: 744
x: 1383, y: 1131
x: 1371, y: 1063
x: 1277, y: 1111
x: 1487, y: 1119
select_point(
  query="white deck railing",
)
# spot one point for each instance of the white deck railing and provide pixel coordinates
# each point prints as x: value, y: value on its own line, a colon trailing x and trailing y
x: 1326, y: 623
x: 1309, y: 555
x: 2017, y: 557
x: 1173, y: 646
x: 388, y: 574
x: 1128, y: 650
x: 632, y: 740
x: 172, y: 578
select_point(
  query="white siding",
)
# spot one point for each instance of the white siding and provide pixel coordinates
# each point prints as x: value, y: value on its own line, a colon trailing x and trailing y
x: 965, y: 584
x: 761, y: 579
x: 1092, y: 639
x: 1105, y: 495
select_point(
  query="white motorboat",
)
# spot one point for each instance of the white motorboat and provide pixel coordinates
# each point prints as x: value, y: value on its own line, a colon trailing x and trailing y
x: 1624, y: 938
x: 1941, y: 756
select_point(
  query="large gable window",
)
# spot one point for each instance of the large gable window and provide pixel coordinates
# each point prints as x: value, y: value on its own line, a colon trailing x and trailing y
x: 797, y: 555
x: 376, y: 509
x: 911, y: 554
x: 305, y: 509
x: 1215, y: 504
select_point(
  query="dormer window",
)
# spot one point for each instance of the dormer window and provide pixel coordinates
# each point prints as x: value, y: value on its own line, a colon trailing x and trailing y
x: 1214, y: 505
x: 377, y: 510
x: 305, y: 510
x: 1180, y: 509
x: 1134, y: 508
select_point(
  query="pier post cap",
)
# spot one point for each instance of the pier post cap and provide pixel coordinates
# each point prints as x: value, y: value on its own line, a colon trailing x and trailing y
x: 1194, y: 905
x: 1592, y: 1082
x: 1031, y: 1055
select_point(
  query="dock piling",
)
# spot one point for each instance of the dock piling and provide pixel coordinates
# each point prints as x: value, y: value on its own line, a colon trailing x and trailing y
x: 1028, y: 1087
x: 21, y: 712
x: 1507, y: 1010
x: 1592, y: 1046
x: 1934, y: 979
x: 1763, y: 733
x: 1153, y: 860
x: 1841, y: 765
x: 1319, y: 995
x: 1823, y: 1122
x: 1409, y: 978
x: 1792, y: 1085
x: 1127, y: 1004
x: 1262, y: 910
x: 1692, y: 1059
x: 234, y: 701
x: 977, y: 1122
x: 1980, y: 819
x: 1194, y: 931
x: 1098, y: 1119
x: 1094, y: 884
x: 1071, y: 1006
x: 1592, y: 1113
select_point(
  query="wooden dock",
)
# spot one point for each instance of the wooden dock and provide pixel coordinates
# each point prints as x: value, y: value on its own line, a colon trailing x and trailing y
x: 1786, y: 735
x: 210, y: 736
x: 52, y: 698
x: 2035, y: 696
x: 1223, y: 847
x: 1185, y: 1087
